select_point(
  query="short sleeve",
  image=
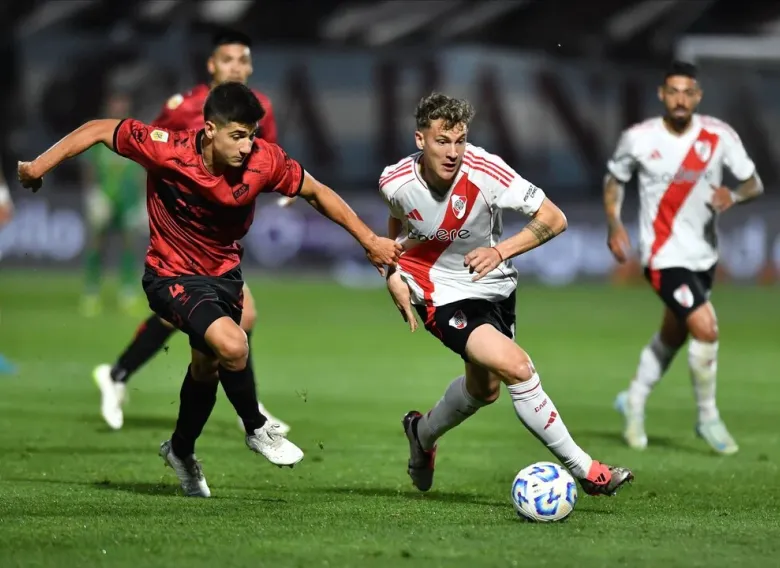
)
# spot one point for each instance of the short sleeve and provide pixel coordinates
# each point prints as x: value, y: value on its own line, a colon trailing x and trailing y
x: 144, y: 144
x: 395, y: 210
x: 521, y: 195
x: 736, y: 158
x: 285, y: 175
x: 505, y: 187
x: 623, y: 162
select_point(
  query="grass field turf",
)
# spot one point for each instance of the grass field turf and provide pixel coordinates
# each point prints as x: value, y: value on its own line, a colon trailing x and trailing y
x: 341, y: 368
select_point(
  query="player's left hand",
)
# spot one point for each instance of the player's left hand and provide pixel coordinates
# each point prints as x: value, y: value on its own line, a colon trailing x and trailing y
x: 722, y: 198
x: 24, y: 171
x: 382, y: 252
x: 482, y: 260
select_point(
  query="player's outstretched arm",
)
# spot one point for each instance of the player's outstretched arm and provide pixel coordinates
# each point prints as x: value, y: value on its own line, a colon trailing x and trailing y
x: 379, y: 250
x: 617, y: 236
x: 85, y: 136
x: 547, y: 223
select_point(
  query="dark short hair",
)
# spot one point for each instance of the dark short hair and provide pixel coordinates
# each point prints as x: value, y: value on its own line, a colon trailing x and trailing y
x: 229, y: 37
x: 680, y: 69
x: 232, y: 102
x: 438, y: 106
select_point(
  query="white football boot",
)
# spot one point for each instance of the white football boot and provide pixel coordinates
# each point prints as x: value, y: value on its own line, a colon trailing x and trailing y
x: 282, y: 427
x: 113, y: 396
x: 188, y: 470
x: 714, y: 432
x: 271, y: 444
x: 634, y: 428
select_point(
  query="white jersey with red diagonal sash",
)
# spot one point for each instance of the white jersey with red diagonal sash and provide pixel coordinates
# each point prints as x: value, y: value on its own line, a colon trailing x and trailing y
x: 677, y: 176
x: 439, y: 229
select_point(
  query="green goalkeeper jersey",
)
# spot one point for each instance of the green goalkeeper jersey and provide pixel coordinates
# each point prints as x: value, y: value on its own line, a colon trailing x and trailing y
x: 120, y: 180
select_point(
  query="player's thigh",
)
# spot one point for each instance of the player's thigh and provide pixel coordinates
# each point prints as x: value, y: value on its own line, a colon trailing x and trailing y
x: 680, y: 289
x: 494, y: 351
x: 249, y: 312
x: 453, y: 323
x: 193, y: 304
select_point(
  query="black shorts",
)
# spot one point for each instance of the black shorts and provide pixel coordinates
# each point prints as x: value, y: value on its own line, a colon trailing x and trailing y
x: 682, y: 290
x: 453, y: 323
x: 193, y: 303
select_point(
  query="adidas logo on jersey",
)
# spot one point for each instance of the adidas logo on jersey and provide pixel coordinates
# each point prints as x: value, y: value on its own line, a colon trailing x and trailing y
x: 443, y: 235
x: 414, y: 214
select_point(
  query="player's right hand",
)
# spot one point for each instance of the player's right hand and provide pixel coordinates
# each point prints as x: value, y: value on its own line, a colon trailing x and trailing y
x: 619, y: 243
x: 24, y: 171
x: 399, y: 291
x: 382, y: 252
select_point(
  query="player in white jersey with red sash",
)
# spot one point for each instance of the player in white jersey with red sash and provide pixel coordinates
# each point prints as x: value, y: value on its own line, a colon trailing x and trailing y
x: 679, y: 160
x: 445, y: 208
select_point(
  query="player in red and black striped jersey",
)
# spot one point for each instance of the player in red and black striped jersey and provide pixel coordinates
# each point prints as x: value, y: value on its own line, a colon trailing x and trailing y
x: 230, y: 60
x: 201, y: 192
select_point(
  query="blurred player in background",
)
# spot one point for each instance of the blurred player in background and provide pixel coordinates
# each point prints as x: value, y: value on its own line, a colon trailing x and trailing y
x: 6, y: 214
x: 230, y: 60
x: 201, y: 192
x: 445, y: 208
x: 679, y: 158
x: 114, y: 202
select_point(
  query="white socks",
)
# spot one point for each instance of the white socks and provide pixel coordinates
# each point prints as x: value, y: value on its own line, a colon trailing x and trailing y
x: 538, y: 413
x: 653, y: 362
x: 703, y: 364
x: 454, y: 407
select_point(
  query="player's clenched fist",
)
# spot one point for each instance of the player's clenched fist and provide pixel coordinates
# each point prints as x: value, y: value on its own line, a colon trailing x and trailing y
x: 482, y: 260
x: 382, y: 251
x: 26, y: 176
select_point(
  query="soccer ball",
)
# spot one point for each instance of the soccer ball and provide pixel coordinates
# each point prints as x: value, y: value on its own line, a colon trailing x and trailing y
x: 544, y: 492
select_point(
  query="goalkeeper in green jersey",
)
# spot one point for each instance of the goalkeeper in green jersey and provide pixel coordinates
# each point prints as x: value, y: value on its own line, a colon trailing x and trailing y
x: 114, y: 203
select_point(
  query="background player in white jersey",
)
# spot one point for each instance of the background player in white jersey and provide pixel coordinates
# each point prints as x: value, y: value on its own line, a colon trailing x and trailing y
x: 679, y: 158
x: 445, y: 204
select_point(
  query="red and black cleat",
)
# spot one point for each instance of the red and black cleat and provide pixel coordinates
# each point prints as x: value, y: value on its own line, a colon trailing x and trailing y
x: 605, y: 479
x: 421, y: 461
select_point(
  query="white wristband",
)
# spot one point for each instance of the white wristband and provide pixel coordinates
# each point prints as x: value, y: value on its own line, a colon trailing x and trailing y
x: 736, y: 197
x: 5, y: 195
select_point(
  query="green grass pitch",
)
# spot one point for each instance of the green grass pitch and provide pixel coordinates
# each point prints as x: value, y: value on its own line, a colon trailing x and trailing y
x: 341, y: 367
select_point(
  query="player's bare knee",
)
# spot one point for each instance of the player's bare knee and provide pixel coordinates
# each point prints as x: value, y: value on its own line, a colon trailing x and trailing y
x: 166, y: 323
x: 232, y: 349
x: 707, y: 333
x: 519, y: 370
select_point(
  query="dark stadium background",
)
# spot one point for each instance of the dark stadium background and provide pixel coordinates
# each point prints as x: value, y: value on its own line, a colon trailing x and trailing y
x: 554, y: 83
